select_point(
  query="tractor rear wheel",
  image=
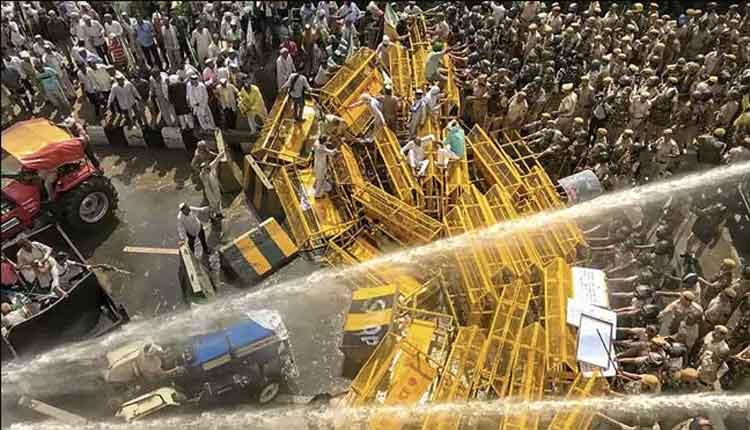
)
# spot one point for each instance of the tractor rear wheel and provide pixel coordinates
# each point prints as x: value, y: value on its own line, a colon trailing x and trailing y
x: 90, y: 203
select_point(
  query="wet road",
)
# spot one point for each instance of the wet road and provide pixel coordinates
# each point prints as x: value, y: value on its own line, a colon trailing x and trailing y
x: 151, y: 183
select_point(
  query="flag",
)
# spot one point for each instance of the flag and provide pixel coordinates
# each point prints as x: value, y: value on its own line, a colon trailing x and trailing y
x: 390, y: 20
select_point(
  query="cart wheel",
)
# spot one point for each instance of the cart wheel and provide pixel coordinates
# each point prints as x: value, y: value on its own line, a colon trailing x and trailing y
x: 268, y: 393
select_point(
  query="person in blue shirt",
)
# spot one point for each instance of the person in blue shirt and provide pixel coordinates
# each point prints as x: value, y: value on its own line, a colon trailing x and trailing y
x: 146, y: 38
x: 49, y: 80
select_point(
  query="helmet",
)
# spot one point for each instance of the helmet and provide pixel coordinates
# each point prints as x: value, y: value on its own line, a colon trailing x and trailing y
x: 677, y: 349
x: 650, y: 312
x: 662, y: 232
x: 644, y: 291
x: 663, y: 247
x: 645, y: 277
x: 690, y: 278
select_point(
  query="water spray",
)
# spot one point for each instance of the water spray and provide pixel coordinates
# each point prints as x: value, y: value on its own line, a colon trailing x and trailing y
x: 630, y: 406
x: 195, y: 321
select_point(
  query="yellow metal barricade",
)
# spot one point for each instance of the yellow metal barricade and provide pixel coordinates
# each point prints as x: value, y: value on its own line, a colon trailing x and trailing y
x: 500, y: 350
x: 359, y: 75
x: 494, y: 166
x: 369, y: 318
x: 435, y: 201
x: 346, y: 170
x: 400, y: 72
x: 282, y: 139
x: 560, y: 339
x: 312, y: 220
x: 400, y: 221
x: 353, y: 247
x: 505, y: 254
x: 400, y: 177
x: 420, y: 46
x: 455, y: 380
x: 579, y: 417
x: 411, y: 374
x: 365, y: 385
x: 452, y: 100
x: 473, y: 266
x: 528, y: 378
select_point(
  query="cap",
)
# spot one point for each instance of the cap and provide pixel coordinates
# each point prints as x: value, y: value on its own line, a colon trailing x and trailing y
x: 223, y: 81
x: 721, y: 329
x: 687, y: 374
x: 602, y: 131
x: 578, y: 120
x: 650, y: 380
x: 183, y: 205
x: 627, y: 131
x: 193, y: 76
x: 727, y: 262
x: 659, y: 340
x: 119, y: 75
x: 688, y: 295
x: 284, y: 51
x: 567, y: 87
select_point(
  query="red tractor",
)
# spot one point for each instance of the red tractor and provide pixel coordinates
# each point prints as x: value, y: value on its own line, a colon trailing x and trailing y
x: 35, y: 152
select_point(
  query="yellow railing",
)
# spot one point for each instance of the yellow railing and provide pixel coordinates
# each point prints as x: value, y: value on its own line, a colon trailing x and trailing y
x: 500, y: 350
x: 399, y: 173
x: 359, y: 75
x: 402, y: 222
x: 528, y: 378
x: 455, y: 380
x: 560, y: 339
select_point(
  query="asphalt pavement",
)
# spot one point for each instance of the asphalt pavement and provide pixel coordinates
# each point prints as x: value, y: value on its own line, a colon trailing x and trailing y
x: 151, y: 183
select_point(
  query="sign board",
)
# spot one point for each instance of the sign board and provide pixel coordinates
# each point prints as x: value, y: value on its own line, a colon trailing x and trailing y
x: 581, y: 186
x: 590, y: 286
x: 596, y: 333
x: 594, y: 341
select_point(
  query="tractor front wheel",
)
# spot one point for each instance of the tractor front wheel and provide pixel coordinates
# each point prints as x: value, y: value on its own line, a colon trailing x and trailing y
x: 90, y: 203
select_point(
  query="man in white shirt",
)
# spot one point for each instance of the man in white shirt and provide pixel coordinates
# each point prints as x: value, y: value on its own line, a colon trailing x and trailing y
x: 29, y: 257
x: 94, y: 32
x: 414, y: 151
x: 321, y: 153
x: 284, y: 68
x: 100, y: 80
x: 125, y: 96
x: 197, y: 98
x: 89, y: 89
x: 189, y: 226
x: 349, y: 12
x: 158, y: 87
x: 200, y: 39
x: 298, y: 88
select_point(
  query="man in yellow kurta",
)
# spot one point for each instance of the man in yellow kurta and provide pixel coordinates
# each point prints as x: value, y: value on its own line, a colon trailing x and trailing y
x: 252, y: 106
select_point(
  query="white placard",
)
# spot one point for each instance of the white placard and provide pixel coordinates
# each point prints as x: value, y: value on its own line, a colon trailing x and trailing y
x: 594, y: 340
x: 590, y: 286
x: 575, y: 308
x: 604, y: 317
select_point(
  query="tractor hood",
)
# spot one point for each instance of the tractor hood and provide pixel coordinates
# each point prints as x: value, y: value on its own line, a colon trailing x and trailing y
x: 38, y: 144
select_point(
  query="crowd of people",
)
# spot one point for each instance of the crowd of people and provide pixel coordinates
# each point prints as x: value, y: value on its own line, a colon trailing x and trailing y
x: 635, y: 93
